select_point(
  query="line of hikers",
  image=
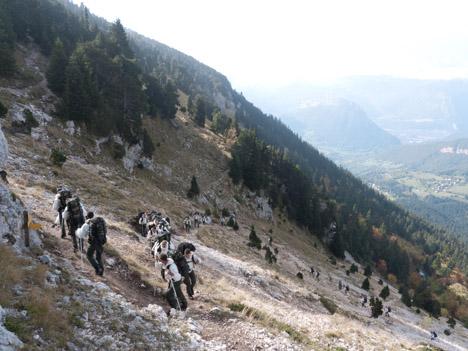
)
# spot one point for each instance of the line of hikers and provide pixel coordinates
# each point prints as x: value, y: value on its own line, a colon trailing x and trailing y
x: 72, y: 213
x: 176, y: 266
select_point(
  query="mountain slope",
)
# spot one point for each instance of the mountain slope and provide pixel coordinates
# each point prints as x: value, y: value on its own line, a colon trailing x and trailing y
x: 279, y: 310
x: 182, y: 149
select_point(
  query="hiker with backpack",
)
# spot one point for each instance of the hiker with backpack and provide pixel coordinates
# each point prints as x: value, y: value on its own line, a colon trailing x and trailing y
x: 363, y: 301
x: 433, y: 335
x: 143, y: 221
x: 196, y: 220
x: 60, y: 202
x: 191, y: 259
x: 160, y: 249
x: 223, y: 221
x: 74, y: 214
x: 187, y: 224
x: 96, y: 230
x: 387, y: 311
x: 174, y: 294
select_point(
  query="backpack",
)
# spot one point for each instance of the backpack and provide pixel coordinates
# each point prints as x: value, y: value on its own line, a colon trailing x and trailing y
x: 365, y: 299
x: 185, y: 245
x: 180, y: 261
x: 389, y: 309
x: 76, y: 214
x: 97, y: 230
x: 164, y: 236
x: 64, y: 195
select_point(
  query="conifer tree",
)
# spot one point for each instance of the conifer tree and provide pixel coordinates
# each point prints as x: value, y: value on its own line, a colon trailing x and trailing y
x: 55, y: 73
x: 376, y: 307
x: 194, y: 189
x: 368, y: 271
x: 406, y: 298
x: 200, y: 111
x: 118, y: 41
x: 365, y: 284
x: 254, y: 240
x: 337, y: 245
x: 385, y: 292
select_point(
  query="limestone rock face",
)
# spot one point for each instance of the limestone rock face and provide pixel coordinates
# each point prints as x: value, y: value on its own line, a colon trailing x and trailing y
x: 3, y: 149
x: 12, y: 211
x: 8, y: 340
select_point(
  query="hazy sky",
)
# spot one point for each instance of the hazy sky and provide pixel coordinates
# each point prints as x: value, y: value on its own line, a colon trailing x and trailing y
x: 256, y: 42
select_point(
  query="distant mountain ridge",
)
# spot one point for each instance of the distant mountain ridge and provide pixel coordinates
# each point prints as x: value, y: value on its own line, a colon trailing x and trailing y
x: 413, y: 110
x: 445, y: 157
x: 342, y: 124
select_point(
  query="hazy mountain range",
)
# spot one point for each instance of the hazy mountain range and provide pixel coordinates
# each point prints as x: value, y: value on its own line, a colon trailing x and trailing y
x: 412, y: 110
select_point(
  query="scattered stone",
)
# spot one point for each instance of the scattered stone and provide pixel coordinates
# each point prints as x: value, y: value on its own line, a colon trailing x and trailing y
x: 216, y: 310
x: 195, y: 326
x: 45, y: 259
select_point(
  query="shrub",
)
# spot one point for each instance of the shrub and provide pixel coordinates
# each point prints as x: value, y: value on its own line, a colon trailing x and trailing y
x: 57, y: 157
x: 236, y: 306
x: 30, y: 121
x: 119, y: 151
x: 254, y: 240
x: 368, y: 271
x: 329, y: 305
x: 380, y: 282
x: 451, y: 322
x: 269, y: 257
x: 208, y: 212
x: 299, y: 275
x: 225, y: 212
x: 447, y: 332
x: 3, y: 110
x: 332, y: 260
x: 353, y: 268
x: 148, y: 146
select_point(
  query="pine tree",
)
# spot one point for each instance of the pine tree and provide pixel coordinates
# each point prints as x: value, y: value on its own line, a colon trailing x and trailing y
x: 194, y: 189
x: 55, y: 73
x: 254, y: 240
x: 405, y: 297
x: 337, y: 245
x: 368, y: 271
x: 365, y: 284
x: 200, y: 111
x: 118, y: 42
x: 376, y: 307
x: 385, y: 292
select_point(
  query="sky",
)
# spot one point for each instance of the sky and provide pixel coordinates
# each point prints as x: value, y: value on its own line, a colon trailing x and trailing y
x: 270, y: 42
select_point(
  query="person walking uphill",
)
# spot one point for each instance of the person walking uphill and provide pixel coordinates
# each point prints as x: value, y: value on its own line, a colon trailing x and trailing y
x: 192, y: 259
x: 174, y: 294
x: 74, y: 214
x: 96, y: 229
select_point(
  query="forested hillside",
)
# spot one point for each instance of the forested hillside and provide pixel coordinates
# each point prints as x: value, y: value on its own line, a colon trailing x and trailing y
x: 107, y: 83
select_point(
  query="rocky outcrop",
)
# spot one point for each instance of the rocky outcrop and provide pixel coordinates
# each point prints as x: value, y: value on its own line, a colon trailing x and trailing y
x: 8, y: 340
x: 3, y: 148
x: 12, y: 212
